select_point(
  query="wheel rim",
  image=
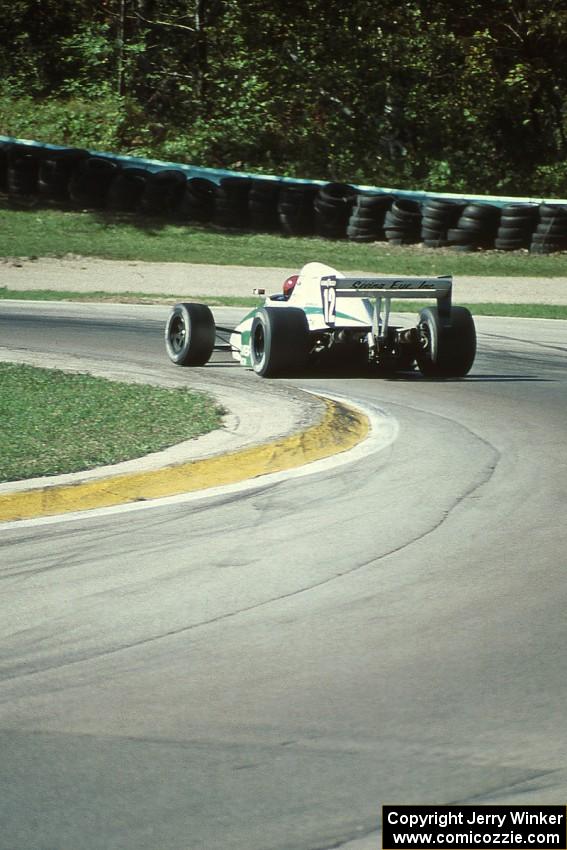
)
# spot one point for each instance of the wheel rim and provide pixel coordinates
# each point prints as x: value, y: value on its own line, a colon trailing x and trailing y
x: 425, y: 338
x: 258, y: 344
x: 177, y: 334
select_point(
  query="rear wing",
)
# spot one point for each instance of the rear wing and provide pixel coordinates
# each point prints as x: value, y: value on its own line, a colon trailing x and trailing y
x: 393, y: 287
x: 384, y: 288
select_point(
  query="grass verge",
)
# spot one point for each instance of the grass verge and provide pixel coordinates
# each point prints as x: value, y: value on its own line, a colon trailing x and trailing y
x: 124, y: 297
x: 54, y: 422
x: 513, y: 311
x: 526, y: 311
x: 47, y: 232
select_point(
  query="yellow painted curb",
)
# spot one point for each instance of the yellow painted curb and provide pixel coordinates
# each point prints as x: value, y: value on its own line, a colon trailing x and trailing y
x: 340, y: 428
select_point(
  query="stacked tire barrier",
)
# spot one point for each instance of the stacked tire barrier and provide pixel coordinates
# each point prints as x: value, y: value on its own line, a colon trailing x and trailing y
x: 55, y: 171
x: 402, y: 222
x: 198, y: 201
x: 516, y: 226
x: 163, y: 192
x: 476, y: 228
x: 231, y: 203
x: 438, y: 216
x: 4, y: 148
x: 296, y: 213
x: 550, y: 234
x: 366, y: 222
x: 333, y: 205
x: 263, y: 205
x: 32, y: 173
x: 126, y: 191
x: 90, y: 181
x: 22, y: 168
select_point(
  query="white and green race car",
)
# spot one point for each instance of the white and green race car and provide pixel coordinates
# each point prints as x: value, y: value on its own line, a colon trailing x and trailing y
x: 323, y: 317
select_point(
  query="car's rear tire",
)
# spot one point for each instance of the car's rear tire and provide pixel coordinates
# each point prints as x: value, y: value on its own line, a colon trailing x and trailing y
x: 447, y: 346
x: 279, y: 341
x: 190, y: 334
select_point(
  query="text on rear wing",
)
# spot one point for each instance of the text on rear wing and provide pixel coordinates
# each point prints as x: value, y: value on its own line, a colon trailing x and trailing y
x: 400, y: 287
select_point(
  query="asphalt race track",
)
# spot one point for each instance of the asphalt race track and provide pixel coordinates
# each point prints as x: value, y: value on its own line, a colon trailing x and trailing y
x: 262, y: 670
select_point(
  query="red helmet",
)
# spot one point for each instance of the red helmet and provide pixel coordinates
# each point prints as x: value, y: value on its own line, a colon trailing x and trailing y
x: 289, y: 285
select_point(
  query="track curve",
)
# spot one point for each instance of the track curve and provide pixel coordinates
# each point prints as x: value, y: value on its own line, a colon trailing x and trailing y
x: 263, y: 670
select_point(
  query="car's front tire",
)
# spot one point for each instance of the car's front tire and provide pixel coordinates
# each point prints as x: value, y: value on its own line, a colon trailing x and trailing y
x: 190, y: 334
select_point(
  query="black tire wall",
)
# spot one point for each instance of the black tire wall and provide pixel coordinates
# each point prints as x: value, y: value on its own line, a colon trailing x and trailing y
x: 31, y: 173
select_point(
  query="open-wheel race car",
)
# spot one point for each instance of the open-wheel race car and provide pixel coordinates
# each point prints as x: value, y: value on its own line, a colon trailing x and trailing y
x: 324, y: 317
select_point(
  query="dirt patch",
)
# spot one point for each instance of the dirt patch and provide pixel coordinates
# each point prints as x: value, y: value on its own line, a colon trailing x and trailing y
x: 87, y: 274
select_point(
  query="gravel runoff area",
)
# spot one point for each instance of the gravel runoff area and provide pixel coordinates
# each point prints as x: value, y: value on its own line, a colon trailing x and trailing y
x: 85, y: 274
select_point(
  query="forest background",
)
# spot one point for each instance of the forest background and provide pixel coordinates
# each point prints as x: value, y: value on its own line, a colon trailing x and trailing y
x: 438, y: 95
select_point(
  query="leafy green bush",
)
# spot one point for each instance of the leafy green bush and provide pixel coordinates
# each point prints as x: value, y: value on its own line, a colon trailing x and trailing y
x: 94, y: 123
x: 550, y: 180
x: 441, y: 96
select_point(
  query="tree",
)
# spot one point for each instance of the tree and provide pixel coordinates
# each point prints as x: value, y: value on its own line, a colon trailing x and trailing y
x: 420, y: 93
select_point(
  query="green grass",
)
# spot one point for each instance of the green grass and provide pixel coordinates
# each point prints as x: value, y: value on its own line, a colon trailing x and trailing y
x: 44, y: 232
x: 56, y: 422
x: 123, y: 297
x: 518, y: 311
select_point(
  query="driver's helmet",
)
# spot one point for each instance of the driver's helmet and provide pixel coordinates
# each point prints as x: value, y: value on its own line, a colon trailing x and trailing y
x: 289, y: 284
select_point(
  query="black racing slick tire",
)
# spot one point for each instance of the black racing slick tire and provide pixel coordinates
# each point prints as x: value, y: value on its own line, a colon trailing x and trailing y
x: 447, y: 346
x: 190, y: 334
x: 279, y: 341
